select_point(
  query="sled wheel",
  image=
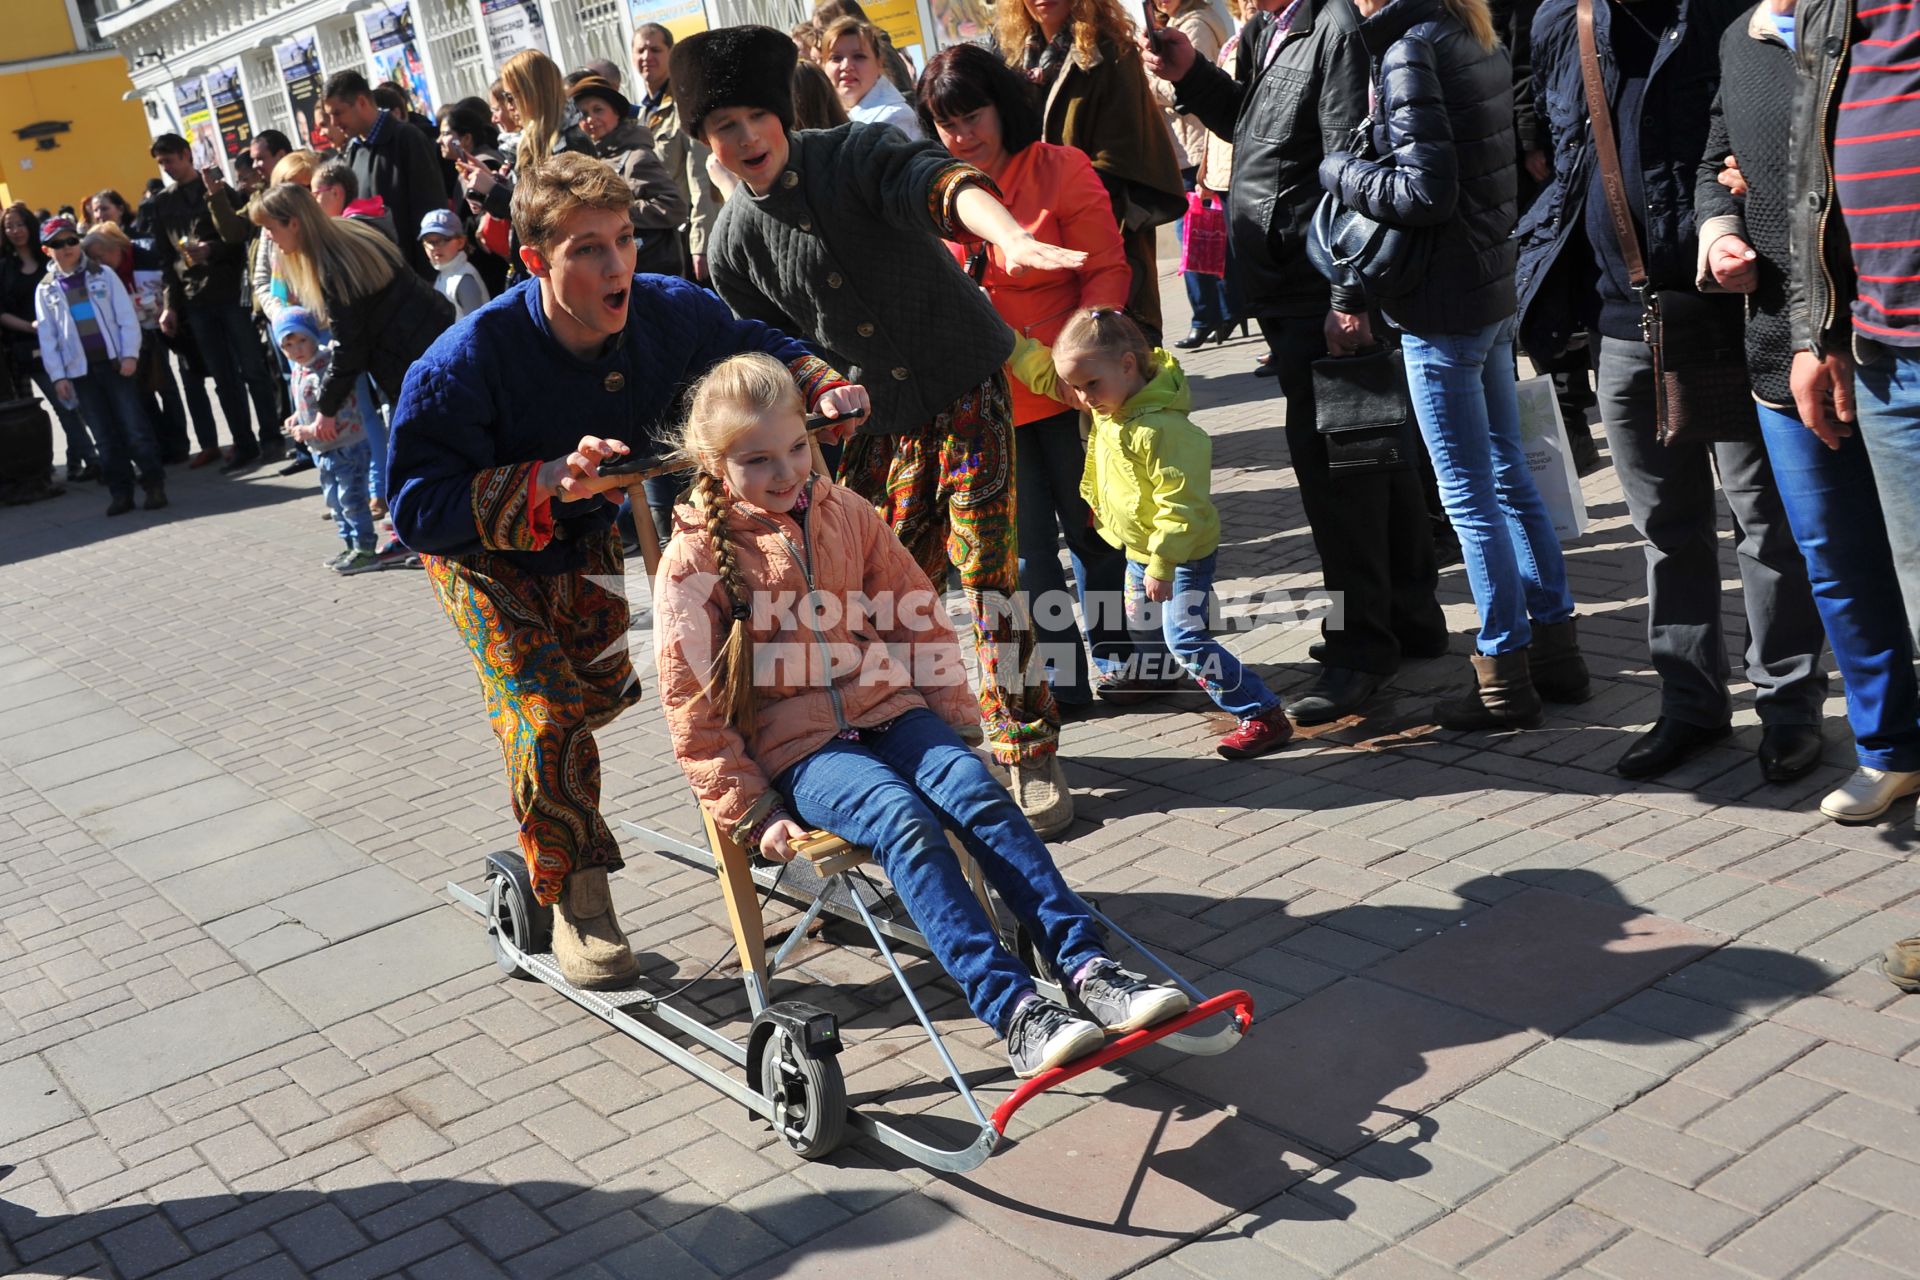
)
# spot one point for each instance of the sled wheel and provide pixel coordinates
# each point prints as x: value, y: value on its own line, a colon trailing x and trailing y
x: 808, y: 1092
x: 507, y: 914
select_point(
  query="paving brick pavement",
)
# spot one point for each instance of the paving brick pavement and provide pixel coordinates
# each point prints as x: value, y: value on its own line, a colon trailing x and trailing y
x: 1518, y: 1017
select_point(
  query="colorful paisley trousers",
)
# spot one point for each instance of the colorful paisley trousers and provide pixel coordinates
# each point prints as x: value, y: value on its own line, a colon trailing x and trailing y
x: 551, y: 651
x: 947, y: 491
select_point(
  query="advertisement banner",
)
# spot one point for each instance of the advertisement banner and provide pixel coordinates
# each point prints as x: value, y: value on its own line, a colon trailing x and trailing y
x: 900, y: 19
x: 962, y: 21
x: 513, y: 25
x: 682, y: 17
x: 196, y: 121
x: 390, y: 43
x: 299, y: 63
x: 229, y: 104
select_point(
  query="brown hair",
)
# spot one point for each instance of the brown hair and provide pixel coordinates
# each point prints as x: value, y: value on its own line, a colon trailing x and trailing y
x: 815, y: 104
x: 733, y: 396
x: 850, y: 26
x: 547, y: 194
x: 1106, y: 331
x: 1101, y: 29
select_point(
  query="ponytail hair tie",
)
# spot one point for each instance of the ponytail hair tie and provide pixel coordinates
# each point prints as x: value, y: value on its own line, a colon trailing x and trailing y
x: 741, y: 612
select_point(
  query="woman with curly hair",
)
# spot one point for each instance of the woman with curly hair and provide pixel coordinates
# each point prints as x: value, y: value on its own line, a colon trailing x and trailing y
x: 1081, y: 55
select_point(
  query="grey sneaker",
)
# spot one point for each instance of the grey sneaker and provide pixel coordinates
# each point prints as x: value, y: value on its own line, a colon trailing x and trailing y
x: 1044, y: 1035
x: 1122, y: 1001
x: 357, y: 562
x: 336, y: 561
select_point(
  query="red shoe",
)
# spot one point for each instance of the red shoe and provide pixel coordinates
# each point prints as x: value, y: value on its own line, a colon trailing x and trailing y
x: 1258, y: 736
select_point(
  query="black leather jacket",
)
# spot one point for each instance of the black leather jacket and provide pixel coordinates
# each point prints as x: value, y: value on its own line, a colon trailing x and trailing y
x: 1821, y: 285
x: 1282, y: 117
x: 1444, y: 132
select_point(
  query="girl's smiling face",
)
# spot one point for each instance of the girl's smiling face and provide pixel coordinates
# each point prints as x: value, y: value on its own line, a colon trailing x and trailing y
x: 768, y: 463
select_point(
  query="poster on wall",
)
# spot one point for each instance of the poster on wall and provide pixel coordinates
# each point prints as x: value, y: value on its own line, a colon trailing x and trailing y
x: 196, y: 121
x: 390, y: 43
x: 229, y: 105
x: 682, y: 17
x: 513, y: 25
x: 962, y: 21
x: 299, y: 63
x: 900, y: 19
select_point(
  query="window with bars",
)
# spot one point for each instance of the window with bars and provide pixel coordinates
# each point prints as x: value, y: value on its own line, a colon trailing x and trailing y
x: 266, y: 96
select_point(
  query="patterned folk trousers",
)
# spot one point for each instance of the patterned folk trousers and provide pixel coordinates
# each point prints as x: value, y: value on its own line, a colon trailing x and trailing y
x: 947, y: 491
x: 551, y: 651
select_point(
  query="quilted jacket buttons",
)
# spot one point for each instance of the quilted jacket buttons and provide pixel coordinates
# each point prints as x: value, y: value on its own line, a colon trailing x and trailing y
x: 864, y: 329
x: 806, y: 224
x: 835, y: 279
x: 790, y: 179
x: 900, y: 374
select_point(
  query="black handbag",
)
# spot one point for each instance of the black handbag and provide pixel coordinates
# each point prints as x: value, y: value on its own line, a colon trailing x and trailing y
x: 1363, y: 413
x: 1358, y: 252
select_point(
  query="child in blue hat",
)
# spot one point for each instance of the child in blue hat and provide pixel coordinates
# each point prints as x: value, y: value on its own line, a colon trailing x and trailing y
x: 341, y: 452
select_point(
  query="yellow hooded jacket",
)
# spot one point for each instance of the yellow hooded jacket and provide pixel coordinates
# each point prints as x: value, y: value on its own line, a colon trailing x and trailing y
x: 1149, y: 471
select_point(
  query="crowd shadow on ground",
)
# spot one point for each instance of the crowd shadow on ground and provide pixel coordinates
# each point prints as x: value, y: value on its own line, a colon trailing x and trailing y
x: 78, y: 517
x: 552, y: 1227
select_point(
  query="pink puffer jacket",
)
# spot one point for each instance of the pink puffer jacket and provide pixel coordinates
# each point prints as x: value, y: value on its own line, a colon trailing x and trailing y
x: 848, y: 633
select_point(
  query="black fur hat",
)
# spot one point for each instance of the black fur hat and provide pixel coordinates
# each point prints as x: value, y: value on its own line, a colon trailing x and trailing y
x: 733, y: 67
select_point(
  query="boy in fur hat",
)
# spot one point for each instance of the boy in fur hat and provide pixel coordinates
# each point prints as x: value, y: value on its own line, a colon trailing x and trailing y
x: 838, y: 237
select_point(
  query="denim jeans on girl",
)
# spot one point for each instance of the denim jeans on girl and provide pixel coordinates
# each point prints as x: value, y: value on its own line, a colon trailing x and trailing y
x: 1049, y: 461
x: 897, y: 791
x: 343, y: 483
x: 1462, y: 386
x: 1887, y: 396
x: 1182, y: 628
x: 1834, y: 508
x: 122, y: 429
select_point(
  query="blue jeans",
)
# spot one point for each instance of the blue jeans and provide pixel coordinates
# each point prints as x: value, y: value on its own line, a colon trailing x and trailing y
x: 897, y: 791
x: 1462, y: 387
x: 1181, y: 626
x: 1887, y: 382
x: 1834, y: 509
x: 1049, y: 460
x: 122, y: 427
x: 343, y: 483
x: 231, y: 347
x: 373, y: 416
x: 79, y: 443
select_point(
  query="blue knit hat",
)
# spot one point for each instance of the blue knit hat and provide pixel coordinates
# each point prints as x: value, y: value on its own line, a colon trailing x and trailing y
x: 296, y: 320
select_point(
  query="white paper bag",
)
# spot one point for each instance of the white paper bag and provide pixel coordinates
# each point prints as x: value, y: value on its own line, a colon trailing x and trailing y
x: 1550, y: 458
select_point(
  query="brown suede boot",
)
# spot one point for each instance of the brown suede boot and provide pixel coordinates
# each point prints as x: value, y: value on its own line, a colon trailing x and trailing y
x: 588, y: 944
x: 1503, y: 696
x: 1901, y: 964
x: 1559, y: 672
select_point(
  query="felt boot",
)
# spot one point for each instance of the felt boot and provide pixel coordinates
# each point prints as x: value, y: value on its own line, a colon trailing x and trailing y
x: 1901, y: 964
x: 1503, y: 696
x: 1039, y: 787
x: 588, y: 944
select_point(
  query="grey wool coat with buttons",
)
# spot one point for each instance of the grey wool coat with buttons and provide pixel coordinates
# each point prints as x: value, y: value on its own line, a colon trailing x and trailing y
x: 846, y: 252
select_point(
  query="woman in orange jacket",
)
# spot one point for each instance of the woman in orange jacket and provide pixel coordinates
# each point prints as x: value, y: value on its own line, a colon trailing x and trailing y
x: 984, y: 113
x: 811, y: 679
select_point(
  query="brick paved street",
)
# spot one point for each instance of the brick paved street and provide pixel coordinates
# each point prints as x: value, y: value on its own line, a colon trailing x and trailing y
x: 1518, y: 1018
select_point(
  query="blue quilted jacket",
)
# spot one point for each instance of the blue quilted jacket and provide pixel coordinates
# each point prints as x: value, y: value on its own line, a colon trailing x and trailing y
x: 497, y: 392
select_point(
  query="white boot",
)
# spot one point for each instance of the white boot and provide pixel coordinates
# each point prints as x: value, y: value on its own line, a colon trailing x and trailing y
x: 1039, y: 787
x: 1868, y: 794
x: 588, y: 944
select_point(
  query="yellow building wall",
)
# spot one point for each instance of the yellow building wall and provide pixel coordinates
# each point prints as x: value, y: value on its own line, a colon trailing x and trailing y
x: 36, y: 29
x: 105, y: 144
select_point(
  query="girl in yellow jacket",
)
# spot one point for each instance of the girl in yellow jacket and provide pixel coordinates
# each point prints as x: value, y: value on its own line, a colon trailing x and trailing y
x: 811, y: 679
x: 1148, y: 478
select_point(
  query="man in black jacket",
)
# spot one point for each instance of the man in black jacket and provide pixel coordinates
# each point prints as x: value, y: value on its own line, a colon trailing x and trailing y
x: 392, y: 159
x: 1660, y: 64
x: 206, y: 291
x: 1298, y: 88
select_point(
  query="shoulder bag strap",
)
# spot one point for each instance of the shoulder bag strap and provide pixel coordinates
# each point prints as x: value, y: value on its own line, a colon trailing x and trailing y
x: 1606, y: 151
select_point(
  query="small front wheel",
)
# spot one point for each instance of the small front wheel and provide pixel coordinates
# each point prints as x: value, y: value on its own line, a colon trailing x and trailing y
x: 809, y: 1095
x: 508, y: 919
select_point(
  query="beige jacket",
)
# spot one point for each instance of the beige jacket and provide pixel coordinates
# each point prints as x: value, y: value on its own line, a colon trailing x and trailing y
x: 1197, y: 21
x: 876, y: 644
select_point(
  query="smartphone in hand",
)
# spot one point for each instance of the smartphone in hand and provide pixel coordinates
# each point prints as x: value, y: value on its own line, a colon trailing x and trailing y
x: 1152, y: 27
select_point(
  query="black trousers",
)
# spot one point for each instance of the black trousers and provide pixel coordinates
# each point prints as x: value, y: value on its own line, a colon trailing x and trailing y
x: 1372, y: 532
